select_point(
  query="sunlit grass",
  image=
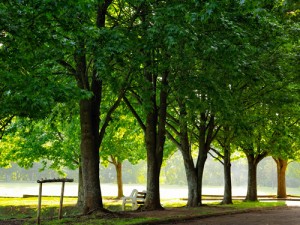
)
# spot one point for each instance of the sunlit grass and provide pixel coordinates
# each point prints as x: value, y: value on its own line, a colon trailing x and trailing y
x: 247, y: 205
x: 167, y: 203
x: 27, y: 208
x: 32, y: 201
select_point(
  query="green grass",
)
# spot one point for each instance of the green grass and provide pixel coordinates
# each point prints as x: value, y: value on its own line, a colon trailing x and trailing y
x: 27, y: 207
x: 21, y: 208
x: 247, y: 205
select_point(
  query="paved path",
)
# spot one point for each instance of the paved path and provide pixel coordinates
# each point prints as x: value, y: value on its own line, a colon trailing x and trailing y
x: 282, y: 216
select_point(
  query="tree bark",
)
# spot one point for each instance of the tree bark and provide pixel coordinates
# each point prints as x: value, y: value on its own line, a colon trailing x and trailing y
x: 281, y: 182
x: 90, y: 155
x: 155, y: 135
x: 80, y: 200
x: 192, y: 181
x: 118, y: 167
x: 252, y: 179
x: 253, y: 161
x: 90, y: 121
x: 206, y: 136
x: 191, y: 172
x: 200, y: 170
x: 227, y: 198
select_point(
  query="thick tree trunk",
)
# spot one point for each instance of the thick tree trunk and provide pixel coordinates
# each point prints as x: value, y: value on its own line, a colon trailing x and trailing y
x: 227, y: 198
x: 153, y: 194
x: 253, y: 161
x: 281, y: 183
x: 192, y: 181
x: 90, y: 120
x: 118, y: 167
x: 154, y: 161
x: 80, y: 200
x: 155, y: 135
x: 252, y: 179
x: 90, y: 155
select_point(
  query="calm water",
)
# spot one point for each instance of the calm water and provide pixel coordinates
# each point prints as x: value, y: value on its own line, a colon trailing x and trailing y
x: 167, y: 191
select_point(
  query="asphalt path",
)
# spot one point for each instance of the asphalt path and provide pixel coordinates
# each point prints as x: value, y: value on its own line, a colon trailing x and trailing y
x: 279, y: 216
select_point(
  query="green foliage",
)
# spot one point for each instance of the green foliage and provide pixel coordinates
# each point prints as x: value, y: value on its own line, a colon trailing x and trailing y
x: 124, y: 139
x: 235, y: 60
x: 54, y: 140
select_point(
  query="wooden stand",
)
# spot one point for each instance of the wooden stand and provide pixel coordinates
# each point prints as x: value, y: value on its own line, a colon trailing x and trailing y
x: 63, y: 181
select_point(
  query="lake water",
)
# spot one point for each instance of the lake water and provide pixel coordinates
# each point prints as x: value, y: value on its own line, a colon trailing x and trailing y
x: 167, y: 191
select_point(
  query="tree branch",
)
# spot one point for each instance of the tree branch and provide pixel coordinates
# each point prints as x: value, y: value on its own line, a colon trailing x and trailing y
x: 170, y: 136
x: 135, y: 114
x: 67, y: 66
x: 216, y: 158
x: 109, y: 113
x: 217, y: 152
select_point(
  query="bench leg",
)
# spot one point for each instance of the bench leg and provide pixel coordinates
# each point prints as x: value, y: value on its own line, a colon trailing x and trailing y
x: 134, y: 205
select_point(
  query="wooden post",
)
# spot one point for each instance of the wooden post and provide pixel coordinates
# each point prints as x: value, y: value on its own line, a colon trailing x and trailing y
x: 39, y: 205
x: 61, y: 200
x: 61, y: 195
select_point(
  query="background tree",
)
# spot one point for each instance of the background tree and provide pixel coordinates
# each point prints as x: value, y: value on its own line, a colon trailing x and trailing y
x: 124, y: 141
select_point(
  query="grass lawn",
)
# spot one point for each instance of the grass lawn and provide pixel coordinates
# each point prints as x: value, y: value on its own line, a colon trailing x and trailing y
x: 26, y: 208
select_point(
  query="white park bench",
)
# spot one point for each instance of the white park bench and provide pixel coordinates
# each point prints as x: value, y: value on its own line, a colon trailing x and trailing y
x: 136, y: 198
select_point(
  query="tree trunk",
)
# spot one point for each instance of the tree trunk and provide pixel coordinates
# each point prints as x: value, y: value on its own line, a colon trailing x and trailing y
x: 90, y: 155
x: 200, y: 170
x: 205, y: 138
x: 281, y: 183
x: 191, y: 172
x: 90, y: 121
x: 155, y: 135
x: 153, y: 194
x: 80, y: 200
x: 154, y: 162
x: 118, y: 167
x: 253, y: 161
x: 227, y: 198
x: 252, y: 179
x: 192, y: 181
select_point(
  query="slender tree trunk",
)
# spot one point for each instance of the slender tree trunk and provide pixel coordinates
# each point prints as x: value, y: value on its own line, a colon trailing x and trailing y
x: 281, y: 183
x: 190, y: 171
x: 184, y: 147
x: 192, y: 180
x: 205, y: 138
x: 80, y: 201
x: 200, y: 170
x: 118, y: 167
x: 227, y: 198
